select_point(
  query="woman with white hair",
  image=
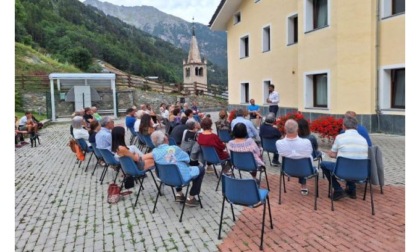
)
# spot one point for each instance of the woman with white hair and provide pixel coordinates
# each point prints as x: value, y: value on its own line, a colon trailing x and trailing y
x: 78, y: 131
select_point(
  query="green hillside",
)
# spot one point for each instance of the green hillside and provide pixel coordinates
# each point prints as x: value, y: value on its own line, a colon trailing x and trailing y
x: 31, y: 62
x: 76, y: 34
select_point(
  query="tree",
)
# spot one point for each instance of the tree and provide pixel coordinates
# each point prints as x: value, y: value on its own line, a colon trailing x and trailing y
x: 80, y: 57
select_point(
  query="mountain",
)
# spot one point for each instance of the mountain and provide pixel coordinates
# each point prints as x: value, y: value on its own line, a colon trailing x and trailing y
x: 71, y: 32
x: 172, y: 29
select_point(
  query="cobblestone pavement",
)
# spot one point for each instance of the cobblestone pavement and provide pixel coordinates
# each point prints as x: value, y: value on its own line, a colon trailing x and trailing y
x: 59, y: 207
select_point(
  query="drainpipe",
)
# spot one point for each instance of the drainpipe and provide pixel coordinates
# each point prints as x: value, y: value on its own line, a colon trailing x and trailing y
x: 377, y: 51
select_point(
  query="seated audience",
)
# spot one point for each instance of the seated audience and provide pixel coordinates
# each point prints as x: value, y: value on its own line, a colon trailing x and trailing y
x: 178, y: 131
x: 242, y: 143
x: 360, y: 128
x: 292, y: 146
x: 27, y: 124
x: 223, y: 123
x: 95, y: 114
x: 78, y: 131
x: 146, y: 126
x: 254, y: 113
x: 208, y: 138
x: 103, y: 138
x: 349, y: 144
x: 270, y: 131
x: 166, y: 154
x: 120, y: 149
x: 305, y: 132
x: 130, y: 119
x: 240, y: 118
x: 88, y: 117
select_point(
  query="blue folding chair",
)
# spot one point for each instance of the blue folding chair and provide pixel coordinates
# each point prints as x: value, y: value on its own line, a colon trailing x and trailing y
x: 170, y: 175
x: 245, y: 161
x: 210, y: 156
x: 140, y: 141
x: 353, y: 170
x: 298, y: 168
x: 244, y: 192
x: 133, y: 135
x: 131, y: 169
x: 109, y: 161
x: 224, y: 135
x: 172, y: 141
x: 269, y: 146
x: 149, y: 143
x: 98, y: 156
x: 86, y: 149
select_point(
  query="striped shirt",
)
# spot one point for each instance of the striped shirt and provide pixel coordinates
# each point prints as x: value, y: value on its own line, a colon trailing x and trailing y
x: 350, y: 144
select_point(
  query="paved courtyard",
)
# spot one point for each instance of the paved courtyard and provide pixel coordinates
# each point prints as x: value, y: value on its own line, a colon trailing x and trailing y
x: 60, y: 207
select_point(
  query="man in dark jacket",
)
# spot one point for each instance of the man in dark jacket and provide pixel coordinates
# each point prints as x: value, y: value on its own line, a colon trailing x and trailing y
x: 270, y: 131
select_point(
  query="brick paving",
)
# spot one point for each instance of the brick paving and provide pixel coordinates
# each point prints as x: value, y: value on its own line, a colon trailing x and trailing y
x: 59, y: 207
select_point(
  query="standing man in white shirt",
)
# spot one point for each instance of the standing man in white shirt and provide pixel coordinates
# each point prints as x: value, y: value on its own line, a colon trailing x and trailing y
x: 273, y: 100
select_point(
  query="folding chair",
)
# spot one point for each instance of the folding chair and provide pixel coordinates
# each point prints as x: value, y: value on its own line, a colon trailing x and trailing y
x: 353, y: 170
x: 131, y: 169
x: 269, y: 146
x: 98, y: 156
x: 133, y: 135
x: 109, y: 161
x: 172, y: 141
x: 86, y: 149
x: 298, y: 168
x: 210, y: 156
x: 170, y: 175
x: 149, y: 143
x: 244, y: 192
x: 245, y: 161
x: 140, y: 141
x: 224, y: 135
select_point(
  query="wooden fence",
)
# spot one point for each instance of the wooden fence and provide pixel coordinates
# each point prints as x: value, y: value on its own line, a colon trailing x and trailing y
x: 42, y: 83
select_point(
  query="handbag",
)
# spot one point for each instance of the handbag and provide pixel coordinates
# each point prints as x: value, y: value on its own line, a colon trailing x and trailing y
x: 113, y: 193
x: 128, y: 182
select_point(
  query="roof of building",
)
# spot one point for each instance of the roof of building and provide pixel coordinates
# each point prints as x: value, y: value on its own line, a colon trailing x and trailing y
x: 194, y: 53
x: 223, y: 14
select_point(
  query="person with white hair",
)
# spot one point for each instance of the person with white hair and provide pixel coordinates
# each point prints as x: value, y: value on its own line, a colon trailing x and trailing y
x: 78, y: 131
x: 163, y: 153
x: 103, y: 138
x: 292, y: 146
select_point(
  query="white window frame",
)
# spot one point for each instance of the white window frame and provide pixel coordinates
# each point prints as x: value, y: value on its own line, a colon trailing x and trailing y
x: 243, y: 93
x: 265, y: 84
x: 290, y: 29
x: 266, y: 38
x: 386, y: 9
x: 385, y: 87
x: 237, y: 17
x: 308, y: 89
x: 242, y: 46
x: 308, y: 10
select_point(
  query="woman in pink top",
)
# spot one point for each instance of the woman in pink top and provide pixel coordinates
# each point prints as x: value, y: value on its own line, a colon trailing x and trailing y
x: 242, y: 143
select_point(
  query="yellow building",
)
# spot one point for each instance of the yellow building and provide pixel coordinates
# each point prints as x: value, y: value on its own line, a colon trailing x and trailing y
x: 323, y: 57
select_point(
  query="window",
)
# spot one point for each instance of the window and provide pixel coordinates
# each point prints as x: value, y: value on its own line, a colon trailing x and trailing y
x: 398, y: 88
x: 187, y: 72
x: 392, y: 87
x: 237, y: 18
x: 244, y: 47
x: 292, y: 30
x: 320, y: 90
x: 316, y: 90
x: 266, y: 39
x: 244, y: 92
x: 398, y: 6
x: 266, y: 85
x: 316, y: 14
x: 392, y: 7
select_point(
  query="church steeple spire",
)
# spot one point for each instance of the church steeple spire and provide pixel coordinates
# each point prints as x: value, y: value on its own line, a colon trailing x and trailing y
x: 194, y: 53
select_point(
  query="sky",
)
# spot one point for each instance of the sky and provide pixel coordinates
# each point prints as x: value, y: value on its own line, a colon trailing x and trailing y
x: 201, y: 10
